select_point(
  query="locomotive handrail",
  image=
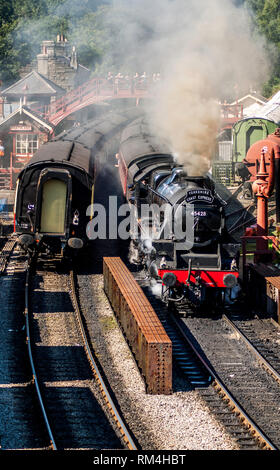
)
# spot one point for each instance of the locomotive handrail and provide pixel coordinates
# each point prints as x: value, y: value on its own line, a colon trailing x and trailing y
x: 168, y: 202
x: 159, y: 195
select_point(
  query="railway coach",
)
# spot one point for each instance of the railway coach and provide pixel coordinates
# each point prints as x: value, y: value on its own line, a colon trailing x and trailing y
x: 52, y: 195
x: 56, y: 187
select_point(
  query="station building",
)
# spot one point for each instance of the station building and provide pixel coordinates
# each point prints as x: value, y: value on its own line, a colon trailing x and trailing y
x: 21, y: 134
x: 22, y: 126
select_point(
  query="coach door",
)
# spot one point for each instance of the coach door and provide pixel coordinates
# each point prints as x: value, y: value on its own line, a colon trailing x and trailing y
x: 54, y: 194
x: 53, y: 208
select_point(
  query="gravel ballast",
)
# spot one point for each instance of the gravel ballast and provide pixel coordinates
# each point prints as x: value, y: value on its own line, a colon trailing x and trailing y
x: 180, y: 421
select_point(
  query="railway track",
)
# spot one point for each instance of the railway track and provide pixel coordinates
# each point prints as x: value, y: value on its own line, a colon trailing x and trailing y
x: 237, y: 364
x: 262, y: 336
x: 111, y: 407
x: 74, y: 400
x: 7, y: 246
x: 35, y: 378
x: 189, y: 353
x: 190, y: 342
x: 75, y: 409
x: 20, y: 425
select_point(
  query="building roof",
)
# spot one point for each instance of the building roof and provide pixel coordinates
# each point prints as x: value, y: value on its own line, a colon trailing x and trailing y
x: 252, y: 110
x: 31, y: 114
x: 271, y: 110
x: 255, y: 97
x: 33, y: 83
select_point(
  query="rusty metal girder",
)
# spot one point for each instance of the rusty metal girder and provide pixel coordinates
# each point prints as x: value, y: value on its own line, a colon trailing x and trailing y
x: 142, y: 328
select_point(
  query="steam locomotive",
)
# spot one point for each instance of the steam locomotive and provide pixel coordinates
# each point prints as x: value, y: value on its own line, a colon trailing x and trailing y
x: 185, y: 246
x: 55, y: 190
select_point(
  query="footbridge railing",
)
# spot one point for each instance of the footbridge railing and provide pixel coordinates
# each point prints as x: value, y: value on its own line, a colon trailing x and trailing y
x: 93, y: 91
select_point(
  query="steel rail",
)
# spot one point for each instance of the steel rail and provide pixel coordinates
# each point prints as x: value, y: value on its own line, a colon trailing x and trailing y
x: 263, y: 441
x: 250, y: 346
x: 102, y: 386
x: 35, y: 377
x: 6, y: 253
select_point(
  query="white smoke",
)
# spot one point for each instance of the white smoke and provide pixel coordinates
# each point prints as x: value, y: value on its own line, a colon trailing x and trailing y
x: 204, y: 50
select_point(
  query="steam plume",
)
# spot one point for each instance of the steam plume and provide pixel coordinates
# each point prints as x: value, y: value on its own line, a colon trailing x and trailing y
x: 203, y: 49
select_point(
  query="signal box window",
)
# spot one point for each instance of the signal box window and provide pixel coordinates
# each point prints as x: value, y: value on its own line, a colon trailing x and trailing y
x: 26, y: 144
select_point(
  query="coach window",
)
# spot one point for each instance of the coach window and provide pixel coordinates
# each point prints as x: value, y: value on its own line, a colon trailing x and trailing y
x: 26, y: 144
x: 53, y: 208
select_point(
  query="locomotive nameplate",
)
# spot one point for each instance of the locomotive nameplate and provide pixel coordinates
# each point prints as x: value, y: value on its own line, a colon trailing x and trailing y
x: 199, y: 195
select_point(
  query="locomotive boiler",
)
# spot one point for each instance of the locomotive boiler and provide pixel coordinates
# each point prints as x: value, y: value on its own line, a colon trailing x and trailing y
x: 185, y: 245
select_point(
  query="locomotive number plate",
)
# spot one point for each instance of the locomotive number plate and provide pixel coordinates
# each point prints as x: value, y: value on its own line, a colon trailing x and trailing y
x: 199, y: 213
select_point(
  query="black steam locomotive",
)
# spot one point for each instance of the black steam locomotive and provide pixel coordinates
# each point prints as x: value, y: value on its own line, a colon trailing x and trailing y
x: 55, y: 190
x: 181, y: 235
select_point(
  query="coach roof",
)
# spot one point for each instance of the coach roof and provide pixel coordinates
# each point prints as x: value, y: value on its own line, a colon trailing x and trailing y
x: 60, y: 152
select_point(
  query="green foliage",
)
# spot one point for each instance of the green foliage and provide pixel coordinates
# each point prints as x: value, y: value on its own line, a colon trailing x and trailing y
x: 267, y: 21
x: 24, y: 24
x: 29, y: 8
x: 6, y: 12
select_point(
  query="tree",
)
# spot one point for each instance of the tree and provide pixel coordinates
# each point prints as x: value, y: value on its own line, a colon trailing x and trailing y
x: 267, y: 21
x: 24, y: 24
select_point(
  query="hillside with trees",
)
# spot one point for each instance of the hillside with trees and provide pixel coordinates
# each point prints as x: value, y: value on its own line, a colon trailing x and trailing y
x: 24, y: 24
x: 267, y: 22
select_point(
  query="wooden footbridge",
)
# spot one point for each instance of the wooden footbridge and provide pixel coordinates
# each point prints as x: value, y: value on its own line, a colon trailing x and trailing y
x: 91, y: 92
